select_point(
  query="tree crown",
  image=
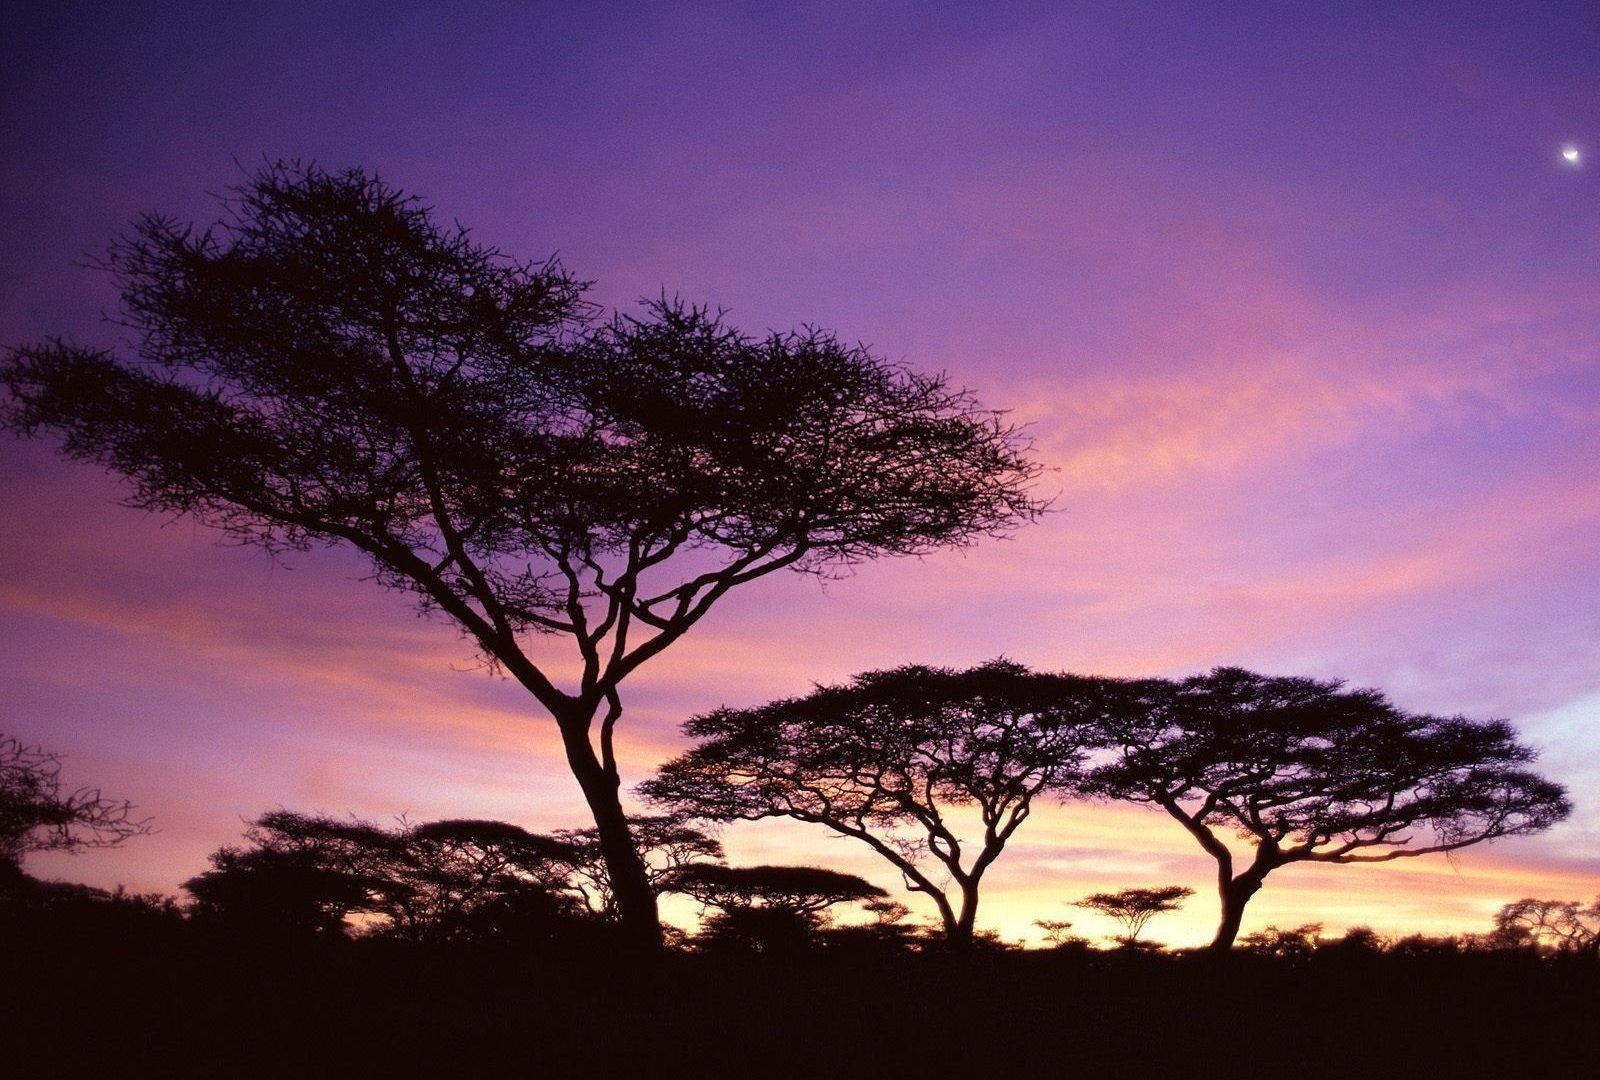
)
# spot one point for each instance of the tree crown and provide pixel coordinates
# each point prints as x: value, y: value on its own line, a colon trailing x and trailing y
x: 793, y: 889
x: 1133, y: 908
x: 888, y: 746
x: 885, y: 757
x: 432, y: 880
x: 330, y: 364
x: 1311, y: 770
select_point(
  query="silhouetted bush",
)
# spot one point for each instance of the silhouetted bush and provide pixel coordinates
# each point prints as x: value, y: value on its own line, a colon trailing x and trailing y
x: 1294, y: 943
x: 1357, y: 941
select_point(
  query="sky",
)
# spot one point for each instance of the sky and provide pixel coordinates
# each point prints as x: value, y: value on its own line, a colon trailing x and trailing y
x: 1299, y: 303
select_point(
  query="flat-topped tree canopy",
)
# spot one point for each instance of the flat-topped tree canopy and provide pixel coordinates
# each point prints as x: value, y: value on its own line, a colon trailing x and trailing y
x: 798, y: 890
x: 1307, y: 770
x: 331, y: 364
x: 1135, y: 907
x: 888, y: 757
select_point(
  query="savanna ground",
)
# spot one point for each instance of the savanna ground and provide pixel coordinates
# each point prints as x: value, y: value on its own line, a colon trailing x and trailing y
x: 96, y: 998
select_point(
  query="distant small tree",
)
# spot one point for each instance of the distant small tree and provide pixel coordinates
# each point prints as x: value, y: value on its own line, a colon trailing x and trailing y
x: 37, y: 814
x: 768, y: 908
x: 666, y: 843
x: 1058, y: 935
x: 888, y: 932
x: 1567, y: 926
x: 1055, y: 930
x: 1307, y: 771
x: 892, y: 759
x: 333, y: 365
x: 1134, y: 908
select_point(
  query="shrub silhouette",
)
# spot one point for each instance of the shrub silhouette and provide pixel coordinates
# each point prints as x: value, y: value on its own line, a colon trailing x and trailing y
x: 1294, y: 943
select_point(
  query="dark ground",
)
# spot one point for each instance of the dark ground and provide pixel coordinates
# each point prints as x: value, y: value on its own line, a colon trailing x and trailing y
x: 98, y: 1001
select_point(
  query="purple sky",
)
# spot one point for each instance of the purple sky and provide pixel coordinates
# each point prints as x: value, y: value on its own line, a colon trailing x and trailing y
x: 1302, y: 302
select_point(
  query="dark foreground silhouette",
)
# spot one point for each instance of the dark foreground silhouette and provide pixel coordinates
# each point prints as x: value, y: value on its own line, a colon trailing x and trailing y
x: 128, y: 989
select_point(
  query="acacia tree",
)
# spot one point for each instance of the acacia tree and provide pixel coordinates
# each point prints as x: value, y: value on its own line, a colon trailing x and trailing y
x: 37, y: 814
x: 306, y: 873
x: 800, y: 890
x: 768, y: 907
x: 297, y: 874
x: 888, y: 756
x: 331, y: 365
x: 1307, y: 771
x: 458, y: 878
x: 1562, y: 925
x: 1134, y: 908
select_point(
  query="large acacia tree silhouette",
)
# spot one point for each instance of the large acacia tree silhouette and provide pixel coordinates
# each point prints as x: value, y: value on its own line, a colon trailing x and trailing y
x: 892, y: 757
x: 1305, y: 770
x: 331, y: 365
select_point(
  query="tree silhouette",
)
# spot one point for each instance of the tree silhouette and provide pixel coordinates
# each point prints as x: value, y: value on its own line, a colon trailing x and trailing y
x: 797, y: 889
x: 298, y: 875
x: 1307, y: 771
x: 1058, y: 934
x: 330, y: 365
x: 1133, y: 908
x: 1562, y: 925
x: 886, y: 757
x: 462, y: 879
x: 306, y: 874
x: 767, y: 908
x: 36, y: 814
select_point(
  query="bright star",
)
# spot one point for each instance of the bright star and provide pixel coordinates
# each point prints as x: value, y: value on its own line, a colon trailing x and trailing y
x: 1570, y: 154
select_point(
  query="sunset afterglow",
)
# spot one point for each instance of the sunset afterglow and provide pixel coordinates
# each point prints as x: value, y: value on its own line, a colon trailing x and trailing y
x: 1297, y: 307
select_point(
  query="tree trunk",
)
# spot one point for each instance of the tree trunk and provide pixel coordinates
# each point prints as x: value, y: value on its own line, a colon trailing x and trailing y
x: 630, y: 886
x: 1235, y: 895
x: 959, y: 934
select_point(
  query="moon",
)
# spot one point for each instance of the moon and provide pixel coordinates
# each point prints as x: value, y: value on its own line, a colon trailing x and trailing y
x: 1570, y: 155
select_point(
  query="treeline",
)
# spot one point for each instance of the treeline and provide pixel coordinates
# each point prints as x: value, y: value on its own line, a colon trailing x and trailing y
x: 935, y: 770
x: 307, y: 878
x: 302, y: 878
